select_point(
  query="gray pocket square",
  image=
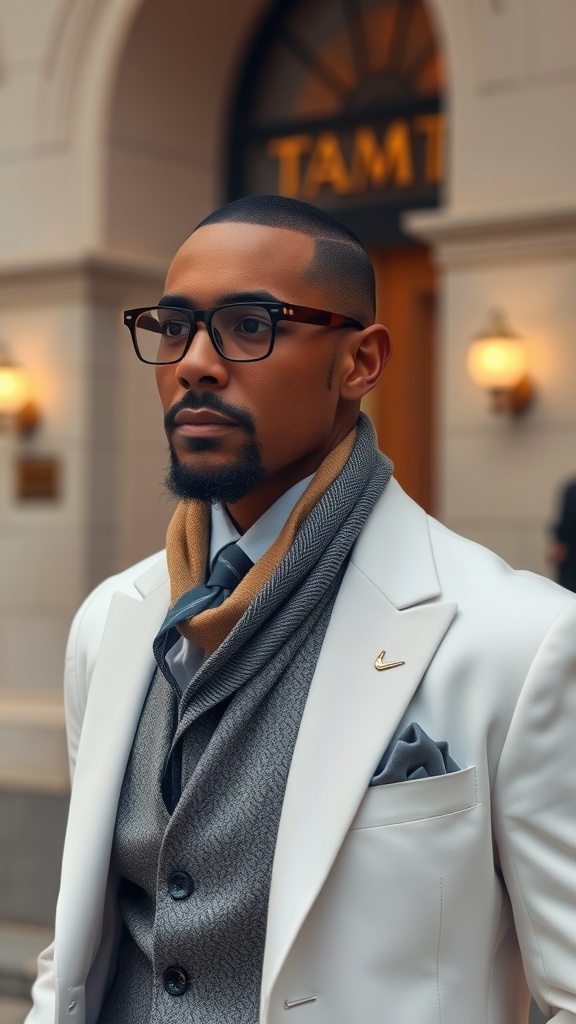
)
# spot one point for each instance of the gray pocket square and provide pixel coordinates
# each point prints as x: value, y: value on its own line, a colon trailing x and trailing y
x: 414, y: 756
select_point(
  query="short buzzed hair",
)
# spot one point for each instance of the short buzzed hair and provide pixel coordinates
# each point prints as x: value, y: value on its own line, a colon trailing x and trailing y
x: 341, y: 266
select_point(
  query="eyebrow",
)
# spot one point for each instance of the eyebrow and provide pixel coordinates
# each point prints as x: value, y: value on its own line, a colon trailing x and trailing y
x: 183, y: 302
x: 179, y: 301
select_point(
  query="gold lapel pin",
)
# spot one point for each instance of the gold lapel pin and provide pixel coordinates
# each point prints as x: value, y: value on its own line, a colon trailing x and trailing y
x: 382, y: 665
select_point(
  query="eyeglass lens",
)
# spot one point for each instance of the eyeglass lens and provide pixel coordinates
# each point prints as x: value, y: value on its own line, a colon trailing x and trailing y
x: 240, y: 332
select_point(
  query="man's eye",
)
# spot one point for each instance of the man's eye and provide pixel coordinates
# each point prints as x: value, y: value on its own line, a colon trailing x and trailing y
x: 250, y: 325
x: 174, y: 329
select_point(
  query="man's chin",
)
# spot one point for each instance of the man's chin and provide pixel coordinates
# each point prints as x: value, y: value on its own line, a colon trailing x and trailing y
x: 203, y: 444
x: 223, y: 484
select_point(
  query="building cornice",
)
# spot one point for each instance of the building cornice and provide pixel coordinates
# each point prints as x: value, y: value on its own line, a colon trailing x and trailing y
x: 87, y: 277
x: 461, y: 238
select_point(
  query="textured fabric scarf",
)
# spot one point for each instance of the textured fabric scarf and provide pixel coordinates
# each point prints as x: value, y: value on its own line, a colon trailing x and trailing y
x: 187, y: 552
x: 286, y: 592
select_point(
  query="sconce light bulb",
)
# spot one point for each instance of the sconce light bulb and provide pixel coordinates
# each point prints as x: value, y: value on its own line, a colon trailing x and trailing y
x: 13, y: 389
x: 497, y: 363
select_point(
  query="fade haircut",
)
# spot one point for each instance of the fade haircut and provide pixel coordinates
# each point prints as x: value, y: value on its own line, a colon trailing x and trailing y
x: 341, y: 266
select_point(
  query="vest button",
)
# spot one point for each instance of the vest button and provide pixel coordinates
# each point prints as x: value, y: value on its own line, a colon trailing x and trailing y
x: 175, y: 981
x: 180, y: 885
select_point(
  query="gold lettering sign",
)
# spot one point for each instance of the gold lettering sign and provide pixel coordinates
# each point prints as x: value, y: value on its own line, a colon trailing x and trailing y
x: 431, y: 126
x: 326, y: 167
x: 307, y: 164
x: 376, y: 165
x: 288, y: 151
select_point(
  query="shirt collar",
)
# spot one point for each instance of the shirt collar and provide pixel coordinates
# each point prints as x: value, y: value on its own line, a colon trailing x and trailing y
x: 264, y: 531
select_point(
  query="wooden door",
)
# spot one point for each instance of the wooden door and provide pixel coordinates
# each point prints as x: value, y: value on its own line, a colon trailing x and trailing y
x: 402, y: 407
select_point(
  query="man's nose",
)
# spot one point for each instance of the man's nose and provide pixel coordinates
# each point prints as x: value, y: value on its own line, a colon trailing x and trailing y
x: 202, y: 364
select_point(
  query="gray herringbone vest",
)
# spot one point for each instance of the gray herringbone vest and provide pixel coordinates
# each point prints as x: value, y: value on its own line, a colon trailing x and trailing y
x: 222, y: 834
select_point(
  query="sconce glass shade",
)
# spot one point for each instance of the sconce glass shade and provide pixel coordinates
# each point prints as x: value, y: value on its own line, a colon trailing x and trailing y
x: 18, y: 411
x: 14, y: 388
x: 497, y: 363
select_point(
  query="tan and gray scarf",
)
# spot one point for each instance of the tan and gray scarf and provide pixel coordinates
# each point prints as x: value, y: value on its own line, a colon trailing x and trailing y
x: 286, y: 592
x: 187, y: 545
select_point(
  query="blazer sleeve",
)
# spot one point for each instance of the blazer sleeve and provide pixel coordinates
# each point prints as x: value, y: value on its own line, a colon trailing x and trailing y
x: 84, y: 644
x: 77, y: 667
x: 43, y: 991
x: 534, y: 808
x: 81, y: 653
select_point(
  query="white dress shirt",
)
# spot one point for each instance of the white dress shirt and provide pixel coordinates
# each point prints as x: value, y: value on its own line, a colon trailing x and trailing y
x: 186, y: 657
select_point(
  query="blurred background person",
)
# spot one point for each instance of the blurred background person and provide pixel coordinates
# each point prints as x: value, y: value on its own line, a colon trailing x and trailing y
x: 562, y: 550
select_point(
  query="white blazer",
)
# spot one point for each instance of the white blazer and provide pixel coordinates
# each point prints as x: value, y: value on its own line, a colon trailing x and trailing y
x: 408, y: 902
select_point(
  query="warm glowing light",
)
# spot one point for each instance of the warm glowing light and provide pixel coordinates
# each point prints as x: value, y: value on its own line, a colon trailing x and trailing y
x: 497, y: 363
x: 18, y: 410
x: 14, y: 389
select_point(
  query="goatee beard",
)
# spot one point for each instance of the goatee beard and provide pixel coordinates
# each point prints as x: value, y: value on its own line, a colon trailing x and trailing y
x: 227, y: 484
x: 222, y: 486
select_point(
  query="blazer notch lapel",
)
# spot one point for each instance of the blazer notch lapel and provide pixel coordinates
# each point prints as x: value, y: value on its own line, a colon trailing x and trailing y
x: 394, y: 550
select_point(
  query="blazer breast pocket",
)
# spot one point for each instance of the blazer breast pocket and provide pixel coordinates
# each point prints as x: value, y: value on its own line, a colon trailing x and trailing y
x: 417, y: 799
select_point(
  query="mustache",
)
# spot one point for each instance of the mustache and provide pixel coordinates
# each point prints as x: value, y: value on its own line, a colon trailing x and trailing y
x: 213, y: 402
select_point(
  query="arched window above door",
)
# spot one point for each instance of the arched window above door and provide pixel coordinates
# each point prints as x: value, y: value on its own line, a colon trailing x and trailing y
x: 340, y: 104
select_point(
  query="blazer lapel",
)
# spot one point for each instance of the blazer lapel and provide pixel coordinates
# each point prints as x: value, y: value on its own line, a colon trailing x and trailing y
x: 119, y: 685
x: 353, y: 709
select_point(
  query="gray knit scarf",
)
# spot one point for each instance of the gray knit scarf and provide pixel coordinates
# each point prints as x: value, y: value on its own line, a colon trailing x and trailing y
x: 283, y: 616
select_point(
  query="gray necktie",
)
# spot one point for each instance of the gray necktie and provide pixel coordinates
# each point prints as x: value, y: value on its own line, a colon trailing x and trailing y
x: 229, y: 569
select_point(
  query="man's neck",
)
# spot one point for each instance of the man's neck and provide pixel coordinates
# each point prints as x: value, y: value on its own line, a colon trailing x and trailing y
x: 248, y: 510
x: 245, y: 512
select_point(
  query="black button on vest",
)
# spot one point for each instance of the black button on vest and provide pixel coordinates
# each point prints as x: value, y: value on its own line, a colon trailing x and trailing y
x: 175, y: 981
x: 180, y: 885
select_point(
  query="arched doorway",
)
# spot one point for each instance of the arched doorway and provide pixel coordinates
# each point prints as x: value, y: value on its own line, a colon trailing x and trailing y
x: 340, y: 104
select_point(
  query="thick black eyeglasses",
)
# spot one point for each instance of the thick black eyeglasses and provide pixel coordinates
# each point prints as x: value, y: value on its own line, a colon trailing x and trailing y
x: 242, y: 332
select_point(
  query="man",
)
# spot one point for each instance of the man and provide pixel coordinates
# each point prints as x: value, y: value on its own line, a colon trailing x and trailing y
x: 323, y: 774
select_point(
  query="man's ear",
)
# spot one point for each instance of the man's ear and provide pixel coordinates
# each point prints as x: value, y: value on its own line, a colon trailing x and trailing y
x: 365, y: 362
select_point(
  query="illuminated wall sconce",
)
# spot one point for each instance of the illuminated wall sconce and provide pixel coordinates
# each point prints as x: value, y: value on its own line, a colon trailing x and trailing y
x: 18, y: 411
x: 497, y: 362
x: 36, y: 476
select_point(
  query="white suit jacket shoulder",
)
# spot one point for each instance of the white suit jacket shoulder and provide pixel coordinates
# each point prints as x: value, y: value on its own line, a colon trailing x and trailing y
x: 412, y: 559
x: 478, y: 578
x: 86, y: 636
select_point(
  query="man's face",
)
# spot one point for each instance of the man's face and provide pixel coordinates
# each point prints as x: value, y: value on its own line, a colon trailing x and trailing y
x: 248, y: 422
